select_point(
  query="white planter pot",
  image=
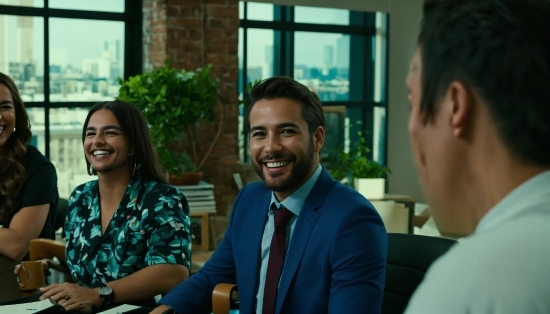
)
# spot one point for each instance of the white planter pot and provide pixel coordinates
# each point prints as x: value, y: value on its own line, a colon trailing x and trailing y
x: 372, y: 189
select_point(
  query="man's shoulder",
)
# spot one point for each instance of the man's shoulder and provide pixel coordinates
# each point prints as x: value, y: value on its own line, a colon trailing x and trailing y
x: 499, y: 268
x: 345, y: 194
x: 503, y: 246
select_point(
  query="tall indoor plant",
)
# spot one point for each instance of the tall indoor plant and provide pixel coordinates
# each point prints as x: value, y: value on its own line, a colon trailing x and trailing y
x: 175, y: 103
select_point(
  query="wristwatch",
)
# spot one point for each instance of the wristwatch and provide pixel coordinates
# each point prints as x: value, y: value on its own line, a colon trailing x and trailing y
x: 106, y: 294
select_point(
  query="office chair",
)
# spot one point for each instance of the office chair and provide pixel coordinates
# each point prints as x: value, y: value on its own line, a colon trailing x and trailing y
x: 409, y: 257
x: 46, y: 249
x: 50, y: 249
x: 60, y: 215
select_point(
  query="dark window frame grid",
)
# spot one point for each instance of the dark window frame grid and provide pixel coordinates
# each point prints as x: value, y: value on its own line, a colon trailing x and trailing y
x: 361, y: 74
x: 133, y: 47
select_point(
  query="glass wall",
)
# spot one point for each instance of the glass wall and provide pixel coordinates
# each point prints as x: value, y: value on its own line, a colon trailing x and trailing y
x: 338, y: 54
x: 64, y: 58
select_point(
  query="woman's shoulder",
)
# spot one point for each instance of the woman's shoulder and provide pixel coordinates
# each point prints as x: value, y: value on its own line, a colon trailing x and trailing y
x: 84, y: 188
x: 161, y: 188
x: 36, y: 159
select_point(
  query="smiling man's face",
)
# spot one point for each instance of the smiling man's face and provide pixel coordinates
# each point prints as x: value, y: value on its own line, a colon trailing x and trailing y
x: 282, y: 149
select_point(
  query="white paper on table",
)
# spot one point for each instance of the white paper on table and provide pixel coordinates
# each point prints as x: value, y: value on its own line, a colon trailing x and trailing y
x: 24, y: 308
x: 120, y: 309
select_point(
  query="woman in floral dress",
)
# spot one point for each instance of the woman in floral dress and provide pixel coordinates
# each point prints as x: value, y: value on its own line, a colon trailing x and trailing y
x: 128, y: 232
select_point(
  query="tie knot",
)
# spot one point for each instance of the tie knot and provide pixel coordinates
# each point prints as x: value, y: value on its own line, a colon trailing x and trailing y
x: 282, y: 216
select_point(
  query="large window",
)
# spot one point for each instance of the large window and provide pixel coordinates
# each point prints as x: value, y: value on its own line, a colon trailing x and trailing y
x: 65, y: 55
x: 339, y: 54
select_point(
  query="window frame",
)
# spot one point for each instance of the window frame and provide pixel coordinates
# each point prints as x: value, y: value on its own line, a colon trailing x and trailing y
x: 361, y: 88
x: 133, y: 47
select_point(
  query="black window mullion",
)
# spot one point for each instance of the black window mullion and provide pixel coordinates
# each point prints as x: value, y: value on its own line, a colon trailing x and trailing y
x: 133, y: 43
x: 307, y: 27
x: 65, y: 13
x: 46, y: 80
x: 289, y: 42
x: 244, y: 80
x: 279, y: 45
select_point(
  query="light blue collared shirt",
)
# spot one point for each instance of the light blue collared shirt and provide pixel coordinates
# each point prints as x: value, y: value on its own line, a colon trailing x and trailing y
x: 293, y: 203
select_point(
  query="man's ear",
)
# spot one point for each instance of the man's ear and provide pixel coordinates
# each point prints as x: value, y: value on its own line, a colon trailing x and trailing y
x: 318, y: 138
x: 461, y: 107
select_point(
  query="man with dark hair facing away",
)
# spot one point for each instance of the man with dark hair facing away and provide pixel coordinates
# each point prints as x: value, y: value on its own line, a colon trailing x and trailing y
x: 479, y: 89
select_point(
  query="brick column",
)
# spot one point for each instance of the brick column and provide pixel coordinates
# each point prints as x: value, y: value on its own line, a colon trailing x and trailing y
x: 194, y: 33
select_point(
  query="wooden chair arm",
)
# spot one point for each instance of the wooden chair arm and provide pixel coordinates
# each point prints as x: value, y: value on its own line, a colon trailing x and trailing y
x: 46, y: 248
x: 224, y: 298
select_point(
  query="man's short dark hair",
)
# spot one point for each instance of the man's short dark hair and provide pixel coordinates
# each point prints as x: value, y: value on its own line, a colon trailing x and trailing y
x: 499, y: 49
x: 285, y: 87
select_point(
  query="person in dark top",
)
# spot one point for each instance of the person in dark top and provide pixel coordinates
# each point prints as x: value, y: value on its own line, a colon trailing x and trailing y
x: 28, y: 181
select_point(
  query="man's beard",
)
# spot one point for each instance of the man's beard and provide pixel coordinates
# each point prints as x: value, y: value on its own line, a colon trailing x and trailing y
x: 298, y: 173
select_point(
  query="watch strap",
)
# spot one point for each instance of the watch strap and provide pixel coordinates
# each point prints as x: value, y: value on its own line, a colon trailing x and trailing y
x: 107, y: 298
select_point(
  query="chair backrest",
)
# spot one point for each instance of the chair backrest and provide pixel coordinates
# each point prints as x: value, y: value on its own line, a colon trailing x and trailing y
x: 60, y: 214
x: 409, y: 257
x: 46, y: 248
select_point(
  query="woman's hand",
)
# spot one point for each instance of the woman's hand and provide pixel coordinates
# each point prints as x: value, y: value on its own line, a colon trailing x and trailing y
x: 72, y: 297
x: 18, y: 268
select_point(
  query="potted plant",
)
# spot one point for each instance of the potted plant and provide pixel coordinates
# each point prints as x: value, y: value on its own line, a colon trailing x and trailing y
x: 175, y: 103
x: 355, y: 167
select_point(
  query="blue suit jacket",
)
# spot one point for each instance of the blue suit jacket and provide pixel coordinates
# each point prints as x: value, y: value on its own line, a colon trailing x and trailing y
x: 335, y: 262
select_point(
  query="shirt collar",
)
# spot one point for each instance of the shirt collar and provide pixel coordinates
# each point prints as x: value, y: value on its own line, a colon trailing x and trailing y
x: 526, y: 196
x: 297, y: 199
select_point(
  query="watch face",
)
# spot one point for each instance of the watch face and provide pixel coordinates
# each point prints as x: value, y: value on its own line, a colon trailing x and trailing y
x: 105, y: 290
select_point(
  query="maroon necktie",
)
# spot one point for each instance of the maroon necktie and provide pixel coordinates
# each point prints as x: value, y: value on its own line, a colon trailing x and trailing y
x: 275, y: 264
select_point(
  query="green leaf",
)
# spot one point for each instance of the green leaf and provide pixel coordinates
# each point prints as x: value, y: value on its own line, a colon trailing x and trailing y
x: 171, y: 100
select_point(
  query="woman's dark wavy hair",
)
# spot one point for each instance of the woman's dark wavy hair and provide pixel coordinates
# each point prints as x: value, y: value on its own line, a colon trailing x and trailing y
x: 285, y: 87
x: 135, y: 128
x: 499, y: 49
x: 12, y: 168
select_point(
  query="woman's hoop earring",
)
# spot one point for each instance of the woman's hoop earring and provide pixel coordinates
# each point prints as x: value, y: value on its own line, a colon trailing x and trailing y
x: 135, y: 164
x: 92, y: 170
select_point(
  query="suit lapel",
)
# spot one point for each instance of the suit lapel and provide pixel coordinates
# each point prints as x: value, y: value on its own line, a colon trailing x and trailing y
x: 254, y: 215
x: 302, y: 232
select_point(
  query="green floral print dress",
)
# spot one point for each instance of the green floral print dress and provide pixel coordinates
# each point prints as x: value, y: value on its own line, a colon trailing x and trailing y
x: 151, y: 226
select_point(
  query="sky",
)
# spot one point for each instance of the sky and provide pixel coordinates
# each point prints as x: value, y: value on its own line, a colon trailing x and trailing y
x: 78, y: 38
x: 309, y: 46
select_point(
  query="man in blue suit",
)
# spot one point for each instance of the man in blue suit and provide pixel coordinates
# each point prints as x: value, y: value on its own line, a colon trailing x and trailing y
x: 336, y: 243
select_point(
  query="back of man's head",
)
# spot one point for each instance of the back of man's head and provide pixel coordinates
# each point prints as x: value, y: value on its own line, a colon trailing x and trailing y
x: 500, y: 49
